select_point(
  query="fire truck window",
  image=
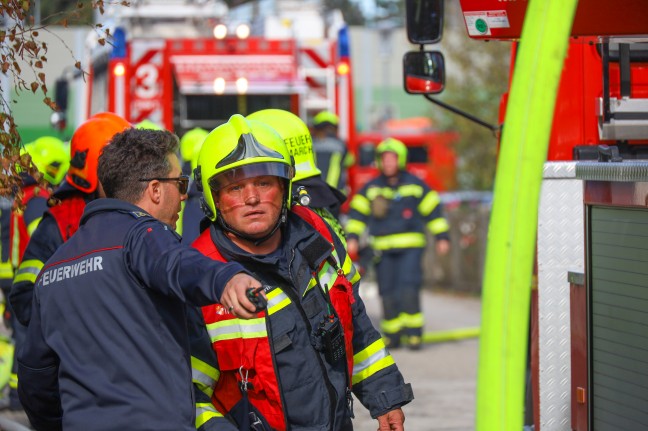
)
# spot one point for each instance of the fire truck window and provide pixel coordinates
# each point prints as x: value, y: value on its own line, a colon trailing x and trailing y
x: 417, y: 155
x: 366, y: 154
x: 200, y: 108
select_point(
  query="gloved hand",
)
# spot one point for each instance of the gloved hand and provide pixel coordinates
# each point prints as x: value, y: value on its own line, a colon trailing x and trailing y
x: 392, y: 421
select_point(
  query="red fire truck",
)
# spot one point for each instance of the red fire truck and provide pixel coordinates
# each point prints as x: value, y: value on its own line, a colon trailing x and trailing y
x: 430, y: 152
x: 590, y: 301
x: 185, y: 64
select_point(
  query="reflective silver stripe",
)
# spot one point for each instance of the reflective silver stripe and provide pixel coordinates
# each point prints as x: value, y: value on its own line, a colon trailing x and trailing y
x: 277, y: 299
x: 375, y: 357
x: 237, y: 328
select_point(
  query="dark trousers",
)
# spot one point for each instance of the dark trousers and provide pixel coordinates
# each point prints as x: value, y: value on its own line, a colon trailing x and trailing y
x: 400, y: 275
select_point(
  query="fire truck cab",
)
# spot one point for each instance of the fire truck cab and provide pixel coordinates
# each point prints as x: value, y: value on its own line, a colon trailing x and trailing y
x: 185, y: 64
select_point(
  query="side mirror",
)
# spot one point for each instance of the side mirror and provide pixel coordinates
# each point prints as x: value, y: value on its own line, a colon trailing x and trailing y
x: 424, y: 21
x: 423, y: 72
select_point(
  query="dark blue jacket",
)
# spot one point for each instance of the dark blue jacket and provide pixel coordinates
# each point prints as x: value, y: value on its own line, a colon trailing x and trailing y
x: 108, y: 342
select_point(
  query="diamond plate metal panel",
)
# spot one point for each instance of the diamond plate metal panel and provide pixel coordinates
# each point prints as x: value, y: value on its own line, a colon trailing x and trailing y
x: 560, y: 250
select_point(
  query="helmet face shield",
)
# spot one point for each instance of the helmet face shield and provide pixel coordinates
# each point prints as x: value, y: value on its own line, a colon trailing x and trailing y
x: 232, y: 176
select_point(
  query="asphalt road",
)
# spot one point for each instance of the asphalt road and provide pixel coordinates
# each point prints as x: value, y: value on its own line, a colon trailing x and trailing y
x: 443, y: 374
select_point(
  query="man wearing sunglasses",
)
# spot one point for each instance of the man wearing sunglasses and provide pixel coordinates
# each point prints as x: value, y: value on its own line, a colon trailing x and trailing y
x: 107, y: 346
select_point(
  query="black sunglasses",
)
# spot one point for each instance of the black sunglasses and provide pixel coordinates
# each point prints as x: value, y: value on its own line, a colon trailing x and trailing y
x: 182, y: 180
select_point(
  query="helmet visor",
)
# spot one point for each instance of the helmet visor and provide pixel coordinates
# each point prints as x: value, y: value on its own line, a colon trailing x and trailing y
x: 231, y: 176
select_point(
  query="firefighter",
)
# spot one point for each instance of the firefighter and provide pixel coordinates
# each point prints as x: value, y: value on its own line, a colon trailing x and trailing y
x: 61, y: 220
x: 396, y: 208
x: 190, y: 216
x: 107, y: 346
x: 295, y: 365
x: 324, y: 199
x: 51, y: 159
x: 331, y: 153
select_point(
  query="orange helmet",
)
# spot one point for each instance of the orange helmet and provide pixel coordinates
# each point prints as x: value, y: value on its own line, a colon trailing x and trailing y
x: 85, y: 146
x: 112, y: 116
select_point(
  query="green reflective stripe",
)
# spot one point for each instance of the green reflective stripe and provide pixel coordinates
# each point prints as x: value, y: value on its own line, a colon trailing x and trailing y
x: 205, y: 412
x: 356, y: 227
x: 370, y: 360
x: 237, y: 328
x: 204, y: 376
x: 361, y: 204
x: 429, y: 203
x: 410, y: 190
x: 312, y: 283
x: 374, y: 192
x: 350, y: 270
x: 438, y: 225
x: 372, y: 369
x: 13, y: 381
x: 15, y: 245
x: 28, y: 271
x: 391, y: 326
x: 33, y: 225
x: 327, y: 275
x: 412, y: 320
x: 399, y: 240
x: 277, y: 299
x: 6, y: 271
x: 334, y: 169
x: 179, y: 223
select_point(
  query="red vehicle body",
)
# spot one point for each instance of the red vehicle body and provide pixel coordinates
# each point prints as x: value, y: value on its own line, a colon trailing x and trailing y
x: 584, y: 346
x: 431, y: 154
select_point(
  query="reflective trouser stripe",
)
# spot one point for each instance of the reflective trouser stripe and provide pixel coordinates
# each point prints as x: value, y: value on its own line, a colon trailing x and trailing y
x: 204, y: 376
x: 370, y: 360
x: 399, y: 240
x: 411, y: 320
x: 391, y: 326
x: 205, y: 412
x: 28, y: 271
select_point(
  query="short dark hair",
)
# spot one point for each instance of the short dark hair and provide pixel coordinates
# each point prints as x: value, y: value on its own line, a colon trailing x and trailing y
x: 131, y: 155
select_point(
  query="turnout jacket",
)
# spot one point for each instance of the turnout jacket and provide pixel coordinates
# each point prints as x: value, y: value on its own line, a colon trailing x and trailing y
x: 107, y: 345
x: 291, y: 379
x: 397, y: 216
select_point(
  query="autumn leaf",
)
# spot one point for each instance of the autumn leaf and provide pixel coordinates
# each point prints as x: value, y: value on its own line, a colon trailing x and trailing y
x: 34, y: 86
x: 78, y: 65
x: 38, y: 64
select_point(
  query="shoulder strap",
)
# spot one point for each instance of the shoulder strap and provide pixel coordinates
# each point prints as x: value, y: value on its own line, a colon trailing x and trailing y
x: 314, y: 220
x: 206, y: 246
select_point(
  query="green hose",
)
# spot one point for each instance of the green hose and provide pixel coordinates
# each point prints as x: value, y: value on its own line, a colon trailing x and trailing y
x: 512, y: 232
